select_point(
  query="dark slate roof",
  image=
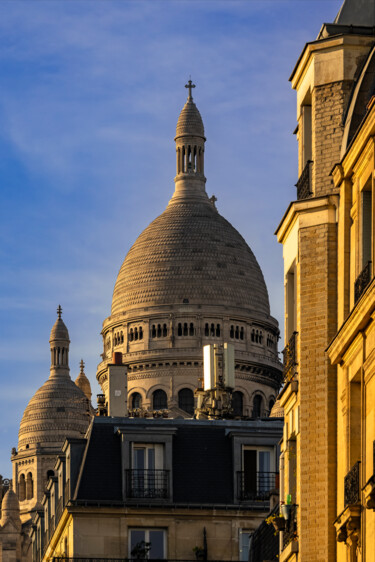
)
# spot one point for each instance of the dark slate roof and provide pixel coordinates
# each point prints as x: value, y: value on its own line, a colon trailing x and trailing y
x: 202, y: 458
x: 100, y: 477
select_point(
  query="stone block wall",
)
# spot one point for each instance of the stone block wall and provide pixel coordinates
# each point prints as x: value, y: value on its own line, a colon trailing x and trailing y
x: 317, y: 389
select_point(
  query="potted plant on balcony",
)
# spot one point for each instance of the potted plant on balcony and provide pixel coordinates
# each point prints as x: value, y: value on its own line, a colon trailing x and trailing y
x: 199, y: 552
x: 286, y: 508
x: 278, y: 521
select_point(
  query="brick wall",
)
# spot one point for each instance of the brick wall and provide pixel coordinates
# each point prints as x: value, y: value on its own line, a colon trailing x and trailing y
x: 317, y: 388
x: 329, y: 103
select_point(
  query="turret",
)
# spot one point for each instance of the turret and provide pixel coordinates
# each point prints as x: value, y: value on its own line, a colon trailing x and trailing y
x: 83, y: 382
x: 59, y: 344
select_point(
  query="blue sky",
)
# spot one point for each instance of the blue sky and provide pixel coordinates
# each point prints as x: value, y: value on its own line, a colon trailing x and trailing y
x: 89, y: 99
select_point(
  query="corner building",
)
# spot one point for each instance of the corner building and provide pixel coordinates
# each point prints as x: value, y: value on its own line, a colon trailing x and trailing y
x: 189, y: 280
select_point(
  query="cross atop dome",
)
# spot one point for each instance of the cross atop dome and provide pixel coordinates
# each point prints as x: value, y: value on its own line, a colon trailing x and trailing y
x: 59, y: 311
x: 82, y: 366
x: 190, y: 86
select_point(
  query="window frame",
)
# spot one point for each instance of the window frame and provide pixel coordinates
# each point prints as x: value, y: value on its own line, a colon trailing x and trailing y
x: 147, y: 531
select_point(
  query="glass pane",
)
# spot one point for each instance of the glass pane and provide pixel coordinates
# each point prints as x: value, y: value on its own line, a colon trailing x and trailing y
x: 151, y: 458
x: 245, y: 538
x: 264, y: 461
x: 139, y: 459
x: 136, y: 538
x: 157, y: 545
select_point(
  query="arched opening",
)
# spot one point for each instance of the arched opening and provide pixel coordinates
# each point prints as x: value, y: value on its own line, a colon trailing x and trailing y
x: 165, y: 331
x: 159, y: 400
x: 136, y: 401
x: 22, y: 488
x: 153, y: 331
x: 257, y: 406
x: 218, y: 330
x: 231, y: 333
x: 140, y: 333
x: 191, y: 329
x: 29, y: 487
x: 186, y: 400
x: 159, y: 331
x: 237, y: 403
x: 206, y: 330
x: 179, y: 329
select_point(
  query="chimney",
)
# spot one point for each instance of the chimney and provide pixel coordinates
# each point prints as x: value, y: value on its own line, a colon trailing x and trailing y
x: 118, y: 387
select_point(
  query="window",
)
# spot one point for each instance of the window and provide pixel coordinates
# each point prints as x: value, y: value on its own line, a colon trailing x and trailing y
x: 159, y: 400
x: 22, y: 488
x: 257, y: 406
x: 237, y: 403
x: 136, y: 400
x: 147, y: 477
x: 186, y: 400
x: 147, y: 544
x: 244, y: 544
x: 29, y: 487
x: 257, y: 479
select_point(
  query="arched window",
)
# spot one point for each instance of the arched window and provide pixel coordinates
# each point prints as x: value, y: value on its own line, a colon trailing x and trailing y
x: 271, y: 404
x: 257, y: 406
x: 140, y: 333
x: 165, y: 331
x: 29, y: 487
x: 135, y: 333
x: 122, y: 337
x: 231, y: 333
x: 206, y: 330
x: 159, y: 400
x: 186, y: 400
x: 185, y: 329
x: 136, y: 400
x: 213, y: 330
x: 237, y: 403
x: 22, y: 488
x: 131, y: 334
x: 218, y: 330
x: 191, y: 329
x: 153, y: 331
x: 179, y: 329
x: 260, y: 336
x: 253, y: 335
x: 159, y: 331
x: 237, y: 334
x: 241, y: 333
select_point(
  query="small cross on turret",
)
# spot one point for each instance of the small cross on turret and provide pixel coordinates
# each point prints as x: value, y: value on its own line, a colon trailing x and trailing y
x: 59, y: 311
x: 82, y: 365
x: 190, y: 85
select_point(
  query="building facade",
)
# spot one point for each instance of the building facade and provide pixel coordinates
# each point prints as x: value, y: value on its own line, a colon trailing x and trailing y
x: 326, y: 245
x: 187, y: 488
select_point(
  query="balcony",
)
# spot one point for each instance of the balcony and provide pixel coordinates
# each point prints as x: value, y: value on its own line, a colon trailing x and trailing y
x: 303, y: 184
x: 256, y: 487
x: 290, y: 357
x: 290, y: 531
x: 351, y: 486
x: 362, y: 281
x: 147, y: 484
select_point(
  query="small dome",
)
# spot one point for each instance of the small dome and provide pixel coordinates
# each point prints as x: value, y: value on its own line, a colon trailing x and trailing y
x: 83, y: 382
x: 190, y: 121
x: 59, y: 409
x: 277, y: 410
x: 59, y: 330
x: 10, y: 507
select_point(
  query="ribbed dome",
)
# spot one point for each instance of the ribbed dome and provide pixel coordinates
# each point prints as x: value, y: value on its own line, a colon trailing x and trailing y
x: 190, y: 121
x: 59, y: 331
x: 190, y: 253
x: 59, y: 409
x: 83, y: 382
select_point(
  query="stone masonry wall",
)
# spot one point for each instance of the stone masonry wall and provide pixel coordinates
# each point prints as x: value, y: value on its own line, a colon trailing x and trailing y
x: 317, y: 389
x: 329, y: 103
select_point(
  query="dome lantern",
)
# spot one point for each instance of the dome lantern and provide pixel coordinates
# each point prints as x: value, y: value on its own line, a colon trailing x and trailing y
x: 59, y: 345
x: 190, y: 139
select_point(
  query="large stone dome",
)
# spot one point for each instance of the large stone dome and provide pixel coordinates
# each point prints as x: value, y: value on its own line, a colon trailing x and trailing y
x: 190, y: 253
x: 57, y: 410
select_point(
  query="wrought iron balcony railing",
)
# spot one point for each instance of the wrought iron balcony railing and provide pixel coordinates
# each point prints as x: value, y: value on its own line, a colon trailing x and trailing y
x: 303, y: 184
x: 290, y: 531
x: 290, y: 357
x: 351, y: 486
x: 362, y: 281
x: 256, y: 486
x: 147, y: 483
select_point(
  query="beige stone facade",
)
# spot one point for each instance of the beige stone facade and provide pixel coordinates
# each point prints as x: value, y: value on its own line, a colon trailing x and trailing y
x: 319, y: 282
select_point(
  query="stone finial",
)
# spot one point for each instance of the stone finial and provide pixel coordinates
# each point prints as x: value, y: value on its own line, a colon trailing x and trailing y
x: 59, y: 311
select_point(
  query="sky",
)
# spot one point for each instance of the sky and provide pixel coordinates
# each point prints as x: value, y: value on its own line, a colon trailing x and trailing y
x: 90, y: 95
